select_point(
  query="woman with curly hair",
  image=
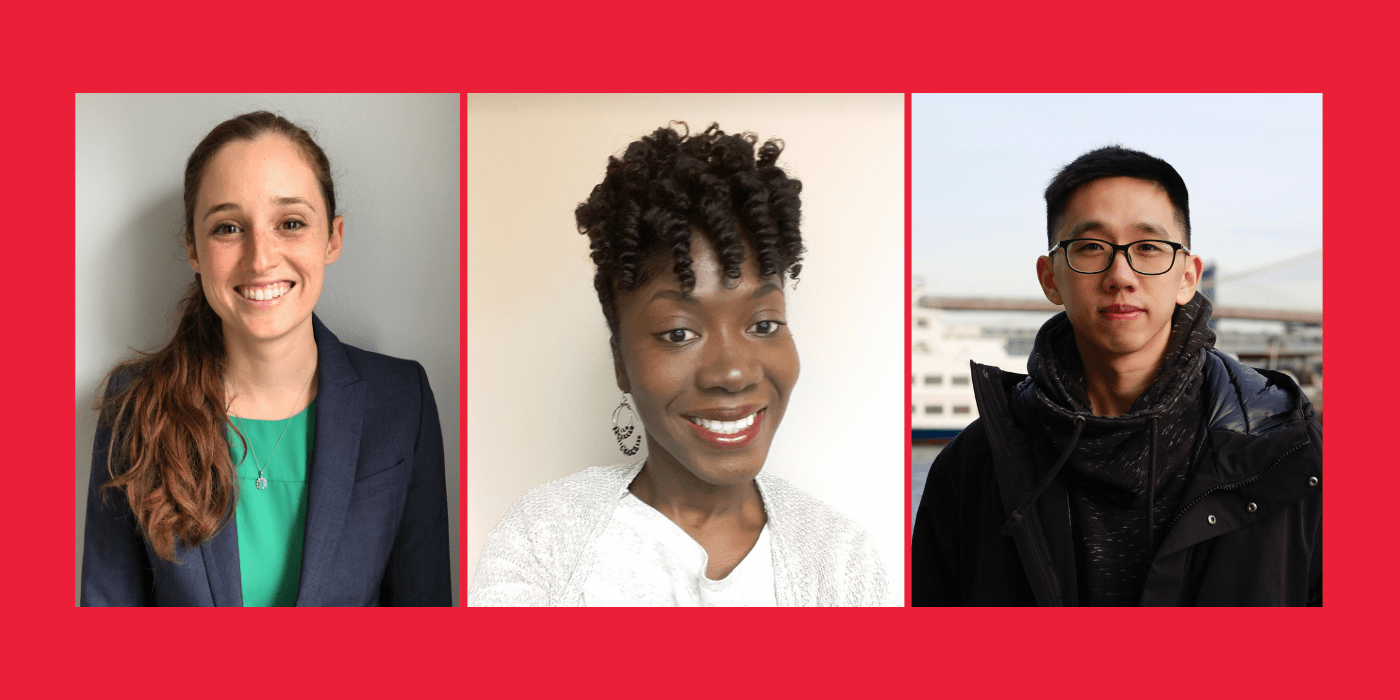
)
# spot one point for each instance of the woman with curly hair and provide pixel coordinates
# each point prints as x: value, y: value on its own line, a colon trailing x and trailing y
x: 254, y: 459
x: 694, y: 238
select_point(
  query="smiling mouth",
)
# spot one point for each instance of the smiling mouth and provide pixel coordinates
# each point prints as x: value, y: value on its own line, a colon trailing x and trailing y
x: 264, y: 292
x: 723, y: 427
x: 728, y: 433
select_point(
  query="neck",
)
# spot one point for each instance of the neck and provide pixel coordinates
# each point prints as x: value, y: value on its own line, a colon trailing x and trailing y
x: 1114, y: 381
x: 691, y: 502
x: 271, y: 379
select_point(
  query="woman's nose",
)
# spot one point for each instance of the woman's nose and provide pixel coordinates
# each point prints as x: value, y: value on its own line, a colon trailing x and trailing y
x: 729, y: 364
x: 261, y: 251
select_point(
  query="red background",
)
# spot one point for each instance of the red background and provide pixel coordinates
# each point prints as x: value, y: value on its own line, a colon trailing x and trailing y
x: 51, y: 52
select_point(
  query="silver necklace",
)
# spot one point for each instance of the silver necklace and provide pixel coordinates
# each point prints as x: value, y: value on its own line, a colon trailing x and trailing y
x: 261, y: 482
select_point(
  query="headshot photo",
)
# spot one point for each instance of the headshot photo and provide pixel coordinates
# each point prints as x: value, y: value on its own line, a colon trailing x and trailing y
x: 1116, y: 350
x: 267, y: 330
x: 685, y: 354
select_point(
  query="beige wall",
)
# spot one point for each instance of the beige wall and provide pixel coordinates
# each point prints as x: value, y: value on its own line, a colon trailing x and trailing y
x: 540, y: 380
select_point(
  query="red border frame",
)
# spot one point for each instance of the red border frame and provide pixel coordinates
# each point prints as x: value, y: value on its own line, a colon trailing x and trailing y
x: 1342, y: 648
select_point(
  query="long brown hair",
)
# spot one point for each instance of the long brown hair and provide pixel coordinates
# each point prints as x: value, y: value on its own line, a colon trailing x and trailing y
x: 166, y: 409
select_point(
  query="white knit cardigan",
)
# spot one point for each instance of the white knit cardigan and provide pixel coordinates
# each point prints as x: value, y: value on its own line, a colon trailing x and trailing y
x: 542, y: 550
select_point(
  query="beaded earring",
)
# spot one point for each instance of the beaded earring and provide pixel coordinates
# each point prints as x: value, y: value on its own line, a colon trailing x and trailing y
x: 622, y: 433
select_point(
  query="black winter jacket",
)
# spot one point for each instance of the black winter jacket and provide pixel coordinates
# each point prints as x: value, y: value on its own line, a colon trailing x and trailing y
x: 1249, y: 530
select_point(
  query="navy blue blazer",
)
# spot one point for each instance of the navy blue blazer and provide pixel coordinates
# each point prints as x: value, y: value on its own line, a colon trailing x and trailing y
x: 376, y: 511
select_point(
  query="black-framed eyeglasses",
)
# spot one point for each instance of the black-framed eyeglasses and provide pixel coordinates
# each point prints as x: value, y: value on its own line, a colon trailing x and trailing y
x: 1090, y: 256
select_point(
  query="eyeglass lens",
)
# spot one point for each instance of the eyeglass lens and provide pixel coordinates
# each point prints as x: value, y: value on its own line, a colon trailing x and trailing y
x: 1147, y: 257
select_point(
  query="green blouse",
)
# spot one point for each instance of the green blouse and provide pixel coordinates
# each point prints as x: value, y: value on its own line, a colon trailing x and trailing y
x: 271, y: 520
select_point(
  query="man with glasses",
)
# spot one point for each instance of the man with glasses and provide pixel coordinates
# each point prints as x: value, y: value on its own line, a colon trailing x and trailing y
x: 1134, y: 464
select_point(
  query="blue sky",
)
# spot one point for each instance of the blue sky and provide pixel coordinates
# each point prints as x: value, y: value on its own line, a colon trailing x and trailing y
x: 1252, y: 163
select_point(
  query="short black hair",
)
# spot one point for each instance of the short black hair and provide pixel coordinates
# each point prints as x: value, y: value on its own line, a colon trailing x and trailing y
x: 670, y: 181
x: 1114, y: 161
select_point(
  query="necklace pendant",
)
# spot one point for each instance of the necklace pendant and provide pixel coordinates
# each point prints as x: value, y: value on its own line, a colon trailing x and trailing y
x: 262, y: 483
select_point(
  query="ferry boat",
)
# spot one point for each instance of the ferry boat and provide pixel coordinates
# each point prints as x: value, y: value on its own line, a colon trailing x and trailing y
x: 941, y: 350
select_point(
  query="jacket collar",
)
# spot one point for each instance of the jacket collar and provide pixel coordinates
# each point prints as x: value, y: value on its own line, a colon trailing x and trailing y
x: 340, y: 403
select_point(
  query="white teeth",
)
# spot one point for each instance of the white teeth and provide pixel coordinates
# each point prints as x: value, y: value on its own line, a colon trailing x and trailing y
x: 264, y: 293
x: 724, y: 427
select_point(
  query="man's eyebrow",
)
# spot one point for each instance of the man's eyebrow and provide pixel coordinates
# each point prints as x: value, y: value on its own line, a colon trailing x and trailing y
x: 1153, y: 229
x: 1084, y: 226
x: 1096, y: 225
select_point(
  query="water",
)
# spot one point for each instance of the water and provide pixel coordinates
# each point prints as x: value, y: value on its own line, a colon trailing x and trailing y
x: 922, y: 456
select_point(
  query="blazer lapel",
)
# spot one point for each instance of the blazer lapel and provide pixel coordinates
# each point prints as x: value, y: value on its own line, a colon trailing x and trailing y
x: 222, y: 566
x: 334, y: 454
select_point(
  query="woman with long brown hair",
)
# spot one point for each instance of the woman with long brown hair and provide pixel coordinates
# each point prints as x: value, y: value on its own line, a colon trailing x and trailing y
x: 254, y: 459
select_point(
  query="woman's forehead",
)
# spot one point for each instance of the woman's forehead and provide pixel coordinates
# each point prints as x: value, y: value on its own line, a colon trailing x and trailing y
x: 269, y: 166
x: 711, y: 288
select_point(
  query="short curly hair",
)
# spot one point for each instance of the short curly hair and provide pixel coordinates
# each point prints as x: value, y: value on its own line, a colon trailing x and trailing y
x: 668, y: 182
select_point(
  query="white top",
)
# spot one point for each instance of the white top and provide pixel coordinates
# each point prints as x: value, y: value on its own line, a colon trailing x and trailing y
x: 644, y: 558
x: 541, y: 553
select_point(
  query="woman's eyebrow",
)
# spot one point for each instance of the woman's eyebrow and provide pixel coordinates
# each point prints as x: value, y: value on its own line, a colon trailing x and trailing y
x: 226, y: 206
x: 276, y: 201
x: 285, y: 201
x: 675, y: 295
x: 766, y: 289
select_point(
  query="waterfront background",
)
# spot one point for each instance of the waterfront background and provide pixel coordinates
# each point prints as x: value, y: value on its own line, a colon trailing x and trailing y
x: 980, y: 164
x: 922, y: 458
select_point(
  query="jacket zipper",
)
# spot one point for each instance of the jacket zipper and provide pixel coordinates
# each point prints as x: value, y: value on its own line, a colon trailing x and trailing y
x: 1237, y: 484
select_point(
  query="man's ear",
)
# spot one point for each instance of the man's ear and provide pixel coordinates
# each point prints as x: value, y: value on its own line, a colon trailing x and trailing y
x: 620, y: 369
x: 1045, y: 272
x: 1190, y: 280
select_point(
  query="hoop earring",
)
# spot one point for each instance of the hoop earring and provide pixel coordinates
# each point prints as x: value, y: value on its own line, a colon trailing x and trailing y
x: 622, y: 433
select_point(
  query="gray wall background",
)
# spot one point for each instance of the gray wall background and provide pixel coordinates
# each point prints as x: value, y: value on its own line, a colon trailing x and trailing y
x: 394, y: 290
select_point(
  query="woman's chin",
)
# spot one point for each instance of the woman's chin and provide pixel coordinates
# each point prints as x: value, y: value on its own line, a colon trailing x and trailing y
x: 263, y: 329
x: 734, y: 471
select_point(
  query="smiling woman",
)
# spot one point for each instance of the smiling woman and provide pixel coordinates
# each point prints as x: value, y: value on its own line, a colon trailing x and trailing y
x: 695, y: 238
x: 254, y: 459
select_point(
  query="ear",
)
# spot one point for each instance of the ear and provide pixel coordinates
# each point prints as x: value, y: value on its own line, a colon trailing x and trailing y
x: 336, y: 239
x: 1045, y: 272
x: 620, y: 369
x: 1190, y: 280
x: 194, y: 259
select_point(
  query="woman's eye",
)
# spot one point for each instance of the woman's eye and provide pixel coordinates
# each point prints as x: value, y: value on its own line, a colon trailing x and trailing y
x: 766, y: 327
x: 226, y: 228
x: 679, y: 335
x: 293, y: 225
